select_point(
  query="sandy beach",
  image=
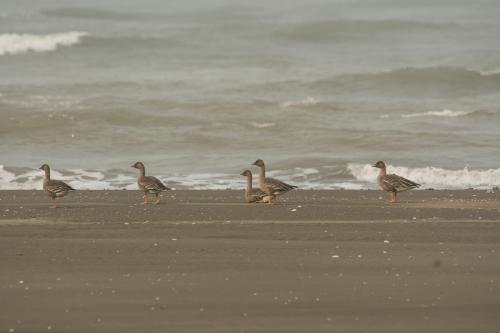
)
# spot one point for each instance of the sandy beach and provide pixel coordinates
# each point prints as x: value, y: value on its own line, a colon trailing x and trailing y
x: 204, y: 261
x: 102, y: 95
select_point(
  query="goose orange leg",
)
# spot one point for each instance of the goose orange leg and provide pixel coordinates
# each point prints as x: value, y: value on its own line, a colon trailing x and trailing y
x: 54, y: 203
x: 157, y: 199
x: 393, y: 197
x: 145, y: 201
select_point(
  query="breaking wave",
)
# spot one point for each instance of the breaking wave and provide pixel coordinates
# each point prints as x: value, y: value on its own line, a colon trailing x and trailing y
x: 31, y: 179
x: 80, y: 179
x: 12, y: 43
x: 442, y: 113
x: 262, y: 125
x: 351, y: 176
x: 304, y: 102
x: 426, y: 74
x: 445, y: 113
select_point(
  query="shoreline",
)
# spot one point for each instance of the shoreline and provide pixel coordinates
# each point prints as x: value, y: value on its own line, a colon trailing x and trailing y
x: 228, y: 205
x: 205, y: 261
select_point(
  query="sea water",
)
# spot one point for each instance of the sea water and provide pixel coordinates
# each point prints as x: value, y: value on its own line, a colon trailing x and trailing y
x: 198, y: 90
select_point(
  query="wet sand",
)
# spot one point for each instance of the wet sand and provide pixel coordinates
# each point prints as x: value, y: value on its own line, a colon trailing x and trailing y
x: 203, y: 261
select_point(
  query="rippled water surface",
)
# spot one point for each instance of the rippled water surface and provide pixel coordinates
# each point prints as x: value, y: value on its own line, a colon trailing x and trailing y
x: 198, y: 90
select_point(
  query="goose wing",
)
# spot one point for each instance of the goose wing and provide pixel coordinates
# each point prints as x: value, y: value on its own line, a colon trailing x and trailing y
x: 258, y: 194
x: 57, y: 187
x: 277, y: 187
x: 153, y: 184
x: 255, y: 195
x: 399, y: 183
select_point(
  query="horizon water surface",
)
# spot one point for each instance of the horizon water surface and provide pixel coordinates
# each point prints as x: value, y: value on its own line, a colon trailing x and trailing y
x: 198, y: 90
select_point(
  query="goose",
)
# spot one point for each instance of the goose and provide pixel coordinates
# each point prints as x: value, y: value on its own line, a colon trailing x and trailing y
x: 272, y: 187
x: 393, y: 183
x: 54, y: 188
x: 254, y: 195
x: 149, y: 184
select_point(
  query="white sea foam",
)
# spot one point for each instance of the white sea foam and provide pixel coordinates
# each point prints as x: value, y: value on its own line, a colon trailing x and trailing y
x: 304, y: 102
x: 363, y: 177
x: 345, y: 186
x: 5, y: 176
x: 88, y: 174
x: 78, y: 178
x: 442, y: 113
x: 96, y: 180
x: 490, y: 72
x: 205, y: 181
x: 432, y: 177
x: 310, y: 171
x: 25, y: 181
x: 12, y: 43
x: 49, y: 102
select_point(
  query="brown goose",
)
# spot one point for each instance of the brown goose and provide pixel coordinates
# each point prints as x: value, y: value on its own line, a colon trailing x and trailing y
x: 54, y: 188
x: 272, y: 187
x: 149, y: 184
x: 393, y: 183
x: 254, y: 195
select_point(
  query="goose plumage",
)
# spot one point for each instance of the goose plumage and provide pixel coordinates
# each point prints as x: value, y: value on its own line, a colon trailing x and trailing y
x: 251, y: 194
x: 393, y: 183
x: 54, y: 188
x: 272, y: 187
x: 149, y: 184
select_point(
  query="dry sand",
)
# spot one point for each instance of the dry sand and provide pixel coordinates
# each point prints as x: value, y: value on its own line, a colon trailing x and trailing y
x: 203, y: 261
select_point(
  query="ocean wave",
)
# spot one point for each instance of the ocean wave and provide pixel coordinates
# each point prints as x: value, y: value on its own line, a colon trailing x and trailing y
x: 431, y: 73
x: 351, y: 176
x: 79, y: 178
x: 95, y: 14
x: 303, y: 102
x: 442, y: 113
x: 117, y: 43
x: 432, y: 177
x: 262, y: 125
x: 413, y: 80
x: 12, y: 43
x: 40, y: 102
x: 352, y: 30
x: 445, y: 113
x: 32, y: 179
x: 27, y: 114
x: 490, y: 72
